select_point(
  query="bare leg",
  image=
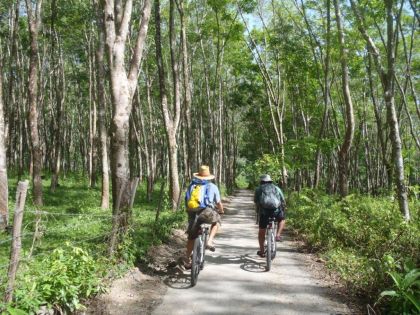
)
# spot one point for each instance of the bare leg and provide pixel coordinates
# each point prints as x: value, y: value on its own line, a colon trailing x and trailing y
x: 190, y: 246
x: 213, y: 230
x: 261, y: 239
x: 280, y: 227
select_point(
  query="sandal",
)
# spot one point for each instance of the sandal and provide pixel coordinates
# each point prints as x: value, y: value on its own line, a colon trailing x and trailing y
x: 278, y: 238
x: 187, y: 263
x: 261, y: 254
x: 210, y: 248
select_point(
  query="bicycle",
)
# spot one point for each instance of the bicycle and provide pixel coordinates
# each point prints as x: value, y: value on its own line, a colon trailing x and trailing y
x: 199, y: 252
x: 270, y: 237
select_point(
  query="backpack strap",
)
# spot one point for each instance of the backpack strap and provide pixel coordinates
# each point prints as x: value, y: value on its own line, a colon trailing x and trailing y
x: 206, y: 199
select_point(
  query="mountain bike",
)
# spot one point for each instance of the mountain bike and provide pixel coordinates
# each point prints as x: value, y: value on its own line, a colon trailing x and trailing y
x: 270, y: 238
x: 198, y: 253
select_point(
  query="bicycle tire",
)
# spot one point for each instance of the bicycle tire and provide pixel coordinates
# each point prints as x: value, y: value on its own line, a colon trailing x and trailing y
x: 269, y: 247
x: 274, y: 247
x: 195, y: 265
x: 205, y: 237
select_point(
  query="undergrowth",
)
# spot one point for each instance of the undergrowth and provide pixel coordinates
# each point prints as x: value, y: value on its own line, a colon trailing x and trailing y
x: 364, y: 239
x: 69, y: 262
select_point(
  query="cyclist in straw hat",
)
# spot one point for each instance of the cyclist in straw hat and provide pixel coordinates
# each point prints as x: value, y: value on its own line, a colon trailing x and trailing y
x: 204, y: 205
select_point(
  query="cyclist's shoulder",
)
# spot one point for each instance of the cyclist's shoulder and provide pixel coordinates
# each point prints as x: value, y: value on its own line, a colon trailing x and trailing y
x: 212, y: 187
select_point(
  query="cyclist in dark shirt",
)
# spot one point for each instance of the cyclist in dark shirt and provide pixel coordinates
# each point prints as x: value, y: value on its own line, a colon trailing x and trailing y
x: 279, y: 213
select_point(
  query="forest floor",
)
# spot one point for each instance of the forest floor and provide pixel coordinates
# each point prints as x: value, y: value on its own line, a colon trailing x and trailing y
x: 234, y: 280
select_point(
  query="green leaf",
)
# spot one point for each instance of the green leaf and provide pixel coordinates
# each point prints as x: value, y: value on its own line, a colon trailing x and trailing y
x: 413, y: 300
x: 389, y: 293
x: 411, y: 278
x: 15, y: 311
x: 396, y: 277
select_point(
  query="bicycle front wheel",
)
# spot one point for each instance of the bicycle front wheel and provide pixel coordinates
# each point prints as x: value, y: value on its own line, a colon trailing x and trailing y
x: 268, y: 254
x: 195, y: 266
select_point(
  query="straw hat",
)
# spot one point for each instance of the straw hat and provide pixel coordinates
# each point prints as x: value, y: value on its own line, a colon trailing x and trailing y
x: 204, y: 173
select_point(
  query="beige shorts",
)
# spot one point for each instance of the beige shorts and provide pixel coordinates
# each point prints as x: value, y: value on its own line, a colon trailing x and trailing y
x: 195, y: 219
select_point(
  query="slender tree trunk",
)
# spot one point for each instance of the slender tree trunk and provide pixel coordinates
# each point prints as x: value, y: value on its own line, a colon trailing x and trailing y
x: 4, y: 189
x: 34, y: 23
x: 187, y: 90
x: 344, y: 153
x: 103, y: 134
x: 59, y: 87
x: 171, y: 124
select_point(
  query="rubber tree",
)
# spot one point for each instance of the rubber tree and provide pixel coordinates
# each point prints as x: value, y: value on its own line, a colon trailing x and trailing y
x: 4, y: 190
x: 387, y: 77
x: 100, y: 96
x: 34, y: 23
x: 344, y: 154
x: 171, y: 120
x: 123, y: 82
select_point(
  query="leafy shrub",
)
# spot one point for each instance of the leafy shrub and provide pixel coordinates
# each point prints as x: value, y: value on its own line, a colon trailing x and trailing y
x: 60, y: 281
x: 405, y: 295
x: 363, y: 238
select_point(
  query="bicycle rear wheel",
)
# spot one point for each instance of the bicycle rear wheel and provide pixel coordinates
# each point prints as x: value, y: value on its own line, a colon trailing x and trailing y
x: 274, y: 247
x: 195, y: 266
x: 268, y: 254
x: 205, y: 236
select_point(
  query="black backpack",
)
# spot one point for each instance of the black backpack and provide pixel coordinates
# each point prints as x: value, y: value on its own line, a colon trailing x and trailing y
x: 270, y: 198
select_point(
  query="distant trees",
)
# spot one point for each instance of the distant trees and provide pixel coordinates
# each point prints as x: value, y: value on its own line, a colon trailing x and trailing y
x: 87, y: 88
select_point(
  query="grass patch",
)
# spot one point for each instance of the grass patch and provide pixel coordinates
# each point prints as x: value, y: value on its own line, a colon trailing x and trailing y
x: 75, y: 233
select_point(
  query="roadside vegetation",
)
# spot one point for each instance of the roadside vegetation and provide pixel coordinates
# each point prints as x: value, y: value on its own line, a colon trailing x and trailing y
x: 362, y: 238
x: 69, y: 261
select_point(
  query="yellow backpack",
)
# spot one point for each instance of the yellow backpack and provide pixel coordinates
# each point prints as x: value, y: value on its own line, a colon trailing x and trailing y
x: 194, y: 201
x: 197, y: 194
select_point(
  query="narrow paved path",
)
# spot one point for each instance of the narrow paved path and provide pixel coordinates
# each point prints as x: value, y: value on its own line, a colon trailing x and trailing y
x: 234, y: 280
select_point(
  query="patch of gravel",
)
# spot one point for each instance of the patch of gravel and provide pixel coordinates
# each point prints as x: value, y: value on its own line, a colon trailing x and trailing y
x: 143, y: 287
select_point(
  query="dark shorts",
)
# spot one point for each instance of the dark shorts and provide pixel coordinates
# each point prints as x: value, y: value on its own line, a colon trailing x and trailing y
x: 265, y: 215
x: 195, y: 219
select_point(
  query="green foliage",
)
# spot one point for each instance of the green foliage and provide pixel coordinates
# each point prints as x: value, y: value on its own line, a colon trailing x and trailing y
x: 60, y: 280
x: 75, y: 271
x: 365, y: 239
x: 267, y: 164
x: 405, y: 295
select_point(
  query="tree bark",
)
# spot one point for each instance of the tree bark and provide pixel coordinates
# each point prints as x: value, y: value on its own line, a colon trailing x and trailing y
x: 344, y: 153
x: 34, y: 23
x: 101, y: 100
x: 171, y: 123
x: 4, y: 189
x: 123, y: 86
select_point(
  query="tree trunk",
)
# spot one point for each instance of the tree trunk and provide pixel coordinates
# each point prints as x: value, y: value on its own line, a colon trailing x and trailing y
x: 171, y: 124
x: 387, y: 79
x: 101, y: 100
x: 187, y: 90
x: 4, y: 189
x: 123, y: 87
x: 34, y: 23
x: 344, y: 153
